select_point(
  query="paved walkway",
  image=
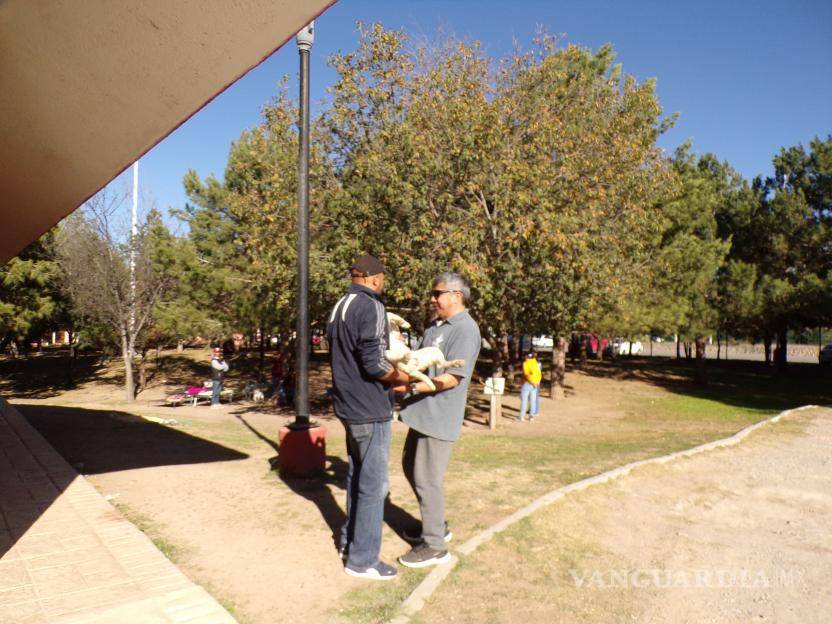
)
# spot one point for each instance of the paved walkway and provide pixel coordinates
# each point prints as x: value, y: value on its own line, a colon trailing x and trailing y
x: 67, y: 556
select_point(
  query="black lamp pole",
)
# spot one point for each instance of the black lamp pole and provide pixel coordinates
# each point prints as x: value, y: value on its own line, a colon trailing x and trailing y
x: 305, y: 39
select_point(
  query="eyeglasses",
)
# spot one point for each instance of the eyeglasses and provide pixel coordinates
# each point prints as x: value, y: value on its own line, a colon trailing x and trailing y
x: 438, y: 293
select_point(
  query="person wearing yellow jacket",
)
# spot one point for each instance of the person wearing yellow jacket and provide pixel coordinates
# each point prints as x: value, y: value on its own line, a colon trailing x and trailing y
x: 530, y: 392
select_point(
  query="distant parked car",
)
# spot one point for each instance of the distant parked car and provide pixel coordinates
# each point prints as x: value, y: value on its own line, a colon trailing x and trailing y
x: 543, y: 342
x: 825, y: 355
x: 622, y: 347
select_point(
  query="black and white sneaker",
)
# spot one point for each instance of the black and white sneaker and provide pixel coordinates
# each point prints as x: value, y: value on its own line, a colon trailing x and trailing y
x: 379, y: 572
x: 415, y: 536
x: 422, y: 556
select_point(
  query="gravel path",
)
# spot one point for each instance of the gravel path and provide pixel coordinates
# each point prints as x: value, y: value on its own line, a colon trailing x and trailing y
x: 736, y: 535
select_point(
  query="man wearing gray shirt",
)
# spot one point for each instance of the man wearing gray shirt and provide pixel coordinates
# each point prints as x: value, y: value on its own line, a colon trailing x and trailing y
x: 435, y: 418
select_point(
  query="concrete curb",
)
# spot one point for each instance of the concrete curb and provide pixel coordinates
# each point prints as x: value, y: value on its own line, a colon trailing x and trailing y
x: 416, y: 600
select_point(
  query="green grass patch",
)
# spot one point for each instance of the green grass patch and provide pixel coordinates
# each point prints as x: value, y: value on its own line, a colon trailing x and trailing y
x: 175, y: 552
x: 491, y: 475
x: 379, y: 602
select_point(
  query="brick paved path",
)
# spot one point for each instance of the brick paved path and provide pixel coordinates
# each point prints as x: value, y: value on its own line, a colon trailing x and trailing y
x: 68, y: 556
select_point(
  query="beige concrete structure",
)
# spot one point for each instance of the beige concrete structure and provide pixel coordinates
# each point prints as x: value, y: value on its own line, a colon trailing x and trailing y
x: 88, y: 87
x: 69, y: 557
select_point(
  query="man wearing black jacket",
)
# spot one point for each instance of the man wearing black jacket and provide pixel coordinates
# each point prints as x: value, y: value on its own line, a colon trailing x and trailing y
x: 358, y: 335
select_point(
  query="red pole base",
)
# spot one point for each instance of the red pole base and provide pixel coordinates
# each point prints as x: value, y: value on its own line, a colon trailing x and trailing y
x: 302, y: 451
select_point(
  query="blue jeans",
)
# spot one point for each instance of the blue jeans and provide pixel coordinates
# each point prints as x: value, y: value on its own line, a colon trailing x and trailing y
x: 527, y: 392
x: 368, y: 447
x: 215, y: 392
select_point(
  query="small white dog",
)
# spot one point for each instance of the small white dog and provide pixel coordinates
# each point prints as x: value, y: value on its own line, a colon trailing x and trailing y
x: 414, y: 362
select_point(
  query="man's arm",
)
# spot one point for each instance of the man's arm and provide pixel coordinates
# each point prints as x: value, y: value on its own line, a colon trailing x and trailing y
x: 371, y: 345
x: 465, y: 348
x: 445, y: 381
x: 395, y: 378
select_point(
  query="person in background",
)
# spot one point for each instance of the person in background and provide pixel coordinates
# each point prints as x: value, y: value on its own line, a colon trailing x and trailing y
x: 219, y: 367
x: 530, y: 392
x: 278, y: 370
x: 286, y: 396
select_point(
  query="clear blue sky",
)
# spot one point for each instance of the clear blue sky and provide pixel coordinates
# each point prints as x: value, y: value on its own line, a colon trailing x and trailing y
x: 747, y: 77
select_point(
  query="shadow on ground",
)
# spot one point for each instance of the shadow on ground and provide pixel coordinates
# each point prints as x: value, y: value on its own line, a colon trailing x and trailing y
x: 94, y: 442
x: 317, y: 489
x: 48, y: 374
x: 97, y: 441
x: 739, y: 383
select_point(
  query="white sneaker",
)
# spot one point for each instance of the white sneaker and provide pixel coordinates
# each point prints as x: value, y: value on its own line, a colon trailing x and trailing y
x: 380, y: 572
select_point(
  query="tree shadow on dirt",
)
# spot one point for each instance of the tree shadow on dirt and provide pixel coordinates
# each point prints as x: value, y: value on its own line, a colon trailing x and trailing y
x: 745, y: 384
x: 318, y: 490
x: 92, y: 442
x: 48, y: 374
x: 179, y: 369
x: 98, y: 441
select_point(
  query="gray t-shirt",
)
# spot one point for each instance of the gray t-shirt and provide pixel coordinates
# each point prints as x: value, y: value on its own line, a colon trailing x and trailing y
x: 440, y: 414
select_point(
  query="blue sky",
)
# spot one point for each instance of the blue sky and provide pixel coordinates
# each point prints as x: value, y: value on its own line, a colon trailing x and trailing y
x: 746, y: 77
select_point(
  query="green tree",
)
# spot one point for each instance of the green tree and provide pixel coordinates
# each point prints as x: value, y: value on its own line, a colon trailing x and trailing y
x: 30, y: 299
x: 110, y: 275
x: 784, y: 232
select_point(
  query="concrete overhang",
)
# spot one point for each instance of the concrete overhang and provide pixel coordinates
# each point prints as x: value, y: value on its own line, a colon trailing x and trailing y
x: 88, y: 86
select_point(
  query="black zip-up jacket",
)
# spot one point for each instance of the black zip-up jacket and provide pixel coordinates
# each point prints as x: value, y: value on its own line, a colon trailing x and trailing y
x: 358, y: 335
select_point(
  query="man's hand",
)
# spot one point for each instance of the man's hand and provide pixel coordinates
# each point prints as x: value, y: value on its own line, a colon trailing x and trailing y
x: 395, y: 378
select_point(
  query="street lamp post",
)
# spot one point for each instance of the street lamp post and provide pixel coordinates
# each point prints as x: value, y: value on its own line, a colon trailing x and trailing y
x: 305, y: 39
x: 303, y: 442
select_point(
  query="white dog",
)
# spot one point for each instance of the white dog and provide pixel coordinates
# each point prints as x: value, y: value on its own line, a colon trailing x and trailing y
x: 414, y: 362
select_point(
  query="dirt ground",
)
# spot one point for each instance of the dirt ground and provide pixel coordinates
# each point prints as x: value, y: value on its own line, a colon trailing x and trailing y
x: 204, y: 488
x: 742, y: 534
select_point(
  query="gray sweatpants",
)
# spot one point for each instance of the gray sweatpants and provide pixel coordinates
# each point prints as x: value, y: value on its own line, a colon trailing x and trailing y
x: 425, y: 460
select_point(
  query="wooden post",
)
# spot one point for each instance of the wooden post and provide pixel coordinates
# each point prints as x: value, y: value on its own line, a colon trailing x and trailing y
x: 494, y: 387
x: 495, y: 411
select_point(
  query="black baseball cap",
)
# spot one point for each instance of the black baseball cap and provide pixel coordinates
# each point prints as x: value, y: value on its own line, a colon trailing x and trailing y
x: 368, y: 265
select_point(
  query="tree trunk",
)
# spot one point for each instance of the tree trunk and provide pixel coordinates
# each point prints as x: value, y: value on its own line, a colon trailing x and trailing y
x: 127, y: 356
x: 767, y: 348
x: 688, y: 350
x: 700, y: 375
x: 70, y: 373
x: 263, y: 353
x: 718, y: 346
x: 558, y: 367
x: 496, y: 355
x: 782, y: 348
x: 142, y: 371
x: 584, y: 346
x: 512, y: 344
x: 502, y: 342
x: 678, y: 349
